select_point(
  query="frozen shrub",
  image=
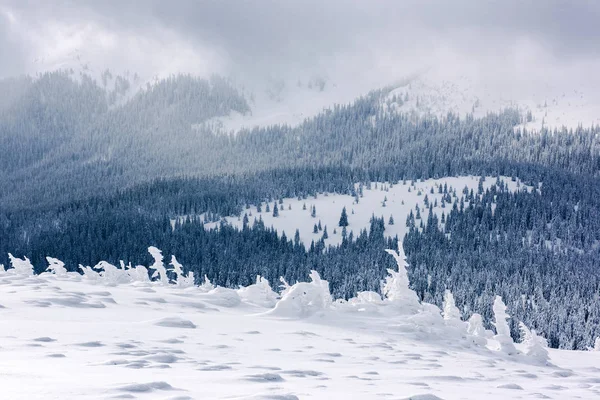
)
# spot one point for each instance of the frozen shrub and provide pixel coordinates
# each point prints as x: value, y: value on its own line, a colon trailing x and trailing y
x: 21, y: 266
x: 56, y: 267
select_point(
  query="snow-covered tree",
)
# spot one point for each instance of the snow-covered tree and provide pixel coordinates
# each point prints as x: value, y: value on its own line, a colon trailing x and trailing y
x: 182, y: 280
x: 21, y: 266
x: 111, y: 275
x: 476, y: 331
x: 304, y: 298
x: 503, y: 337
x: 160, y: 271
x: 535, y: 347
x: 56, y: 266
x: 396, y: 285
x: 260, y: 293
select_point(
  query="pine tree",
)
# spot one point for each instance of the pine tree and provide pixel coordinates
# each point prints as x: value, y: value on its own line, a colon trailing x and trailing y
x: 313, y: 212
x: 325, y: 235
x: 315, y: 229
x: 391, y: 221
x: 275, y: 210
x: 343, y: 218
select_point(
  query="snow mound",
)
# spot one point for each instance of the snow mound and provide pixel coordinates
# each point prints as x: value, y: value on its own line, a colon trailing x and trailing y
x: 304, y: 299
x: 259, y: 293
x: 175, y: 322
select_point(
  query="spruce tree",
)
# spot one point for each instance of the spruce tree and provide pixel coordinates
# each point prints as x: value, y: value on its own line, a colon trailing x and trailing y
x: 343, y: 218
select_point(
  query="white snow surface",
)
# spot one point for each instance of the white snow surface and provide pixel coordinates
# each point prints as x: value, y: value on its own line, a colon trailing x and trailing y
x: 329, y: 208
x: 73, y: 337
x: 553, y: 104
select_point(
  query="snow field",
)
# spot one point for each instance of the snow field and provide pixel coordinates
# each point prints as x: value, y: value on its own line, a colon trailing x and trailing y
x: 402, y: 198
x: 103, y: 335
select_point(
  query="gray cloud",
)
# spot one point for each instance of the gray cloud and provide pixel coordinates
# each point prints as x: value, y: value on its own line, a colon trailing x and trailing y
x: 284, y: 36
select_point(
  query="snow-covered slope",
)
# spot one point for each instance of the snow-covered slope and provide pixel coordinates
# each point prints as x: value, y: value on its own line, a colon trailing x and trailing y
x: 552, y: 104
x: 68, y: 336
x: 400, y: 199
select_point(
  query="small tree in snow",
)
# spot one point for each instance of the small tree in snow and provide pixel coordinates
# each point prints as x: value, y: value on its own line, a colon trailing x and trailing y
x: 112, y: 275
x: 597, y: 344
x: 396, y: 285
x: 206, y: 286
x: 160, y: 271
x: 502, y: 329
x: 181, y: 280
x: 450, y: 311
x: 476, y: 330
x: 285, y: 287
x: 21, y: 266
x: 343, y: 218
x: 535, y: 346
x: 56, y: 266
x: 89, y: 273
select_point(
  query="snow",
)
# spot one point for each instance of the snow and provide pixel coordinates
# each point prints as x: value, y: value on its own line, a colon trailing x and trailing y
x: 552, y: 102
x: 151, y: 340
x: 401, y: 199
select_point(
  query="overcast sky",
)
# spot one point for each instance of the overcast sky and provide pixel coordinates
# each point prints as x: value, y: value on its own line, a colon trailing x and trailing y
x: 387, y: 39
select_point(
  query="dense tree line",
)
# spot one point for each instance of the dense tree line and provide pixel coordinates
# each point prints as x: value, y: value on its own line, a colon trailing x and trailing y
x: 80, y: 145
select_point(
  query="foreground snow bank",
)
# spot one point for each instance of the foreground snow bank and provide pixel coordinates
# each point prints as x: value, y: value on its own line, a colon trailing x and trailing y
x: 112, y: 332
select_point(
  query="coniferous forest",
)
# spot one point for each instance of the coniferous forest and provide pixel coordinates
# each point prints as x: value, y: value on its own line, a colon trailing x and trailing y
x: 89, y: 174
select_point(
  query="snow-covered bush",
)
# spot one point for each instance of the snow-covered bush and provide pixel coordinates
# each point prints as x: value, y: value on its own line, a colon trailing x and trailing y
x: 89, y: 273
x: 476, y: 331
x: 21, y: 266
x: 451, y: 313
x: 259, y: 293
x: 535, y: 347
x: 56, y: 267
x: 304, y: 298
x: 182, y: 280
x: 2, y: 268
x: 503, y: 337
x: 111, y: 275
x: 396, y: 285
x: 597, y: 344
x: 206, y: 286
x: 160, y: 271
x: 138, y: 274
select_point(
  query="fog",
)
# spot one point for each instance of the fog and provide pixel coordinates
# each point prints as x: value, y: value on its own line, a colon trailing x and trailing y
x: 510, y: 45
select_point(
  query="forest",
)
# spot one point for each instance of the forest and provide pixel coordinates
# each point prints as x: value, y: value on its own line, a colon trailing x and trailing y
x: 96, y: 175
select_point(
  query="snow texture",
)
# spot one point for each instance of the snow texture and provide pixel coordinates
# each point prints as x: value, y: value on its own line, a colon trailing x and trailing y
x: 99, y: 335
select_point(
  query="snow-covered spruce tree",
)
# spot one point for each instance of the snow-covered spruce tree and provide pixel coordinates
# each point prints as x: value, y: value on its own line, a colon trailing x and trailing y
x: 21, y: 266
x: 396, y: 285
x: 535, y: 346
x: 111, y: 275
x: 597, y: 344
x: 451, y: 313
x: 160, y: 271
x: 476, y: 331
x: 502, y: 336
x: 182, y: 280
x: 56, y: 267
